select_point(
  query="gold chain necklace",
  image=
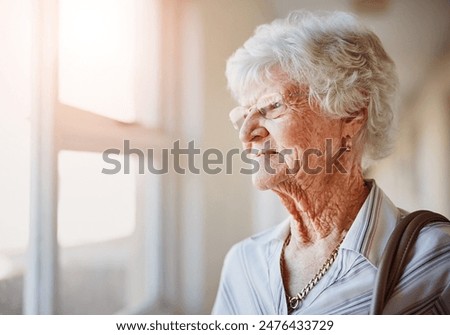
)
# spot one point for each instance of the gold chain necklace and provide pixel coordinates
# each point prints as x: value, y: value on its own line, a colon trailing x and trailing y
x: 295, y: 301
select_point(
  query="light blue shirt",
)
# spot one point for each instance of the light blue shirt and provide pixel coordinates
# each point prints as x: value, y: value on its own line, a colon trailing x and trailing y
x: 251, y: 280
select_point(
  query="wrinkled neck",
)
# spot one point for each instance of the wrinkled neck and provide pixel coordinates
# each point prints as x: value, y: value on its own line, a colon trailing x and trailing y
x: 322, y: 204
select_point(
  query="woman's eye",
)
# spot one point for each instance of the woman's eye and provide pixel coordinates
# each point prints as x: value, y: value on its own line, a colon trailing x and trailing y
x: 272, y: 108
x: 276, y: 105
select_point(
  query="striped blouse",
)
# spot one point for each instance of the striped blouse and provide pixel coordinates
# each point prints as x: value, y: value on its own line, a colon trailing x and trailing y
x: 251, y: 281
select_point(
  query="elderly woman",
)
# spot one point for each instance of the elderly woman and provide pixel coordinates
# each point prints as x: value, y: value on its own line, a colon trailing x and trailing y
x: 315, y: 95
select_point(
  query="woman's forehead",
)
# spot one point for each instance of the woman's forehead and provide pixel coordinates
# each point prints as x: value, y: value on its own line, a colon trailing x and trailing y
x: 254, y: 92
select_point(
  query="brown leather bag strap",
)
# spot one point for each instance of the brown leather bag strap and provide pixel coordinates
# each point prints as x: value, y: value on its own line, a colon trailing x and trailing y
x: 395, y: 254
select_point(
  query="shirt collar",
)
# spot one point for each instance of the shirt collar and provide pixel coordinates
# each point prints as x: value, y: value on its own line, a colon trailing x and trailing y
x: 372, y: 226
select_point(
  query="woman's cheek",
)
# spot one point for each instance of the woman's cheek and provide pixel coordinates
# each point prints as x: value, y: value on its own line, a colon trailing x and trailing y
x: 291, y: 158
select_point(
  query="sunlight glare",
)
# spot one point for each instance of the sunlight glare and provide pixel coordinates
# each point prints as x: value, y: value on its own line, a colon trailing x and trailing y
x: 97, y: 56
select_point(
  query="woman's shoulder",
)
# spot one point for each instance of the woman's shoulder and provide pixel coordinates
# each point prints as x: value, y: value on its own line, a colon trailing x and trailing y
x: 431, y: 252
x: 259, y: 245
x: 437, y: 232
x: 424, y: 287
x: 434, y: 234
x: 269, y: 235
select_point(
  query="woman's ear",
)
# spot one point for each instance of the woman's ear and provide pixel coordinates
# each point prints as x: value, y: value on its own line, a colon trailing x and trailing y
x: 354, y: 124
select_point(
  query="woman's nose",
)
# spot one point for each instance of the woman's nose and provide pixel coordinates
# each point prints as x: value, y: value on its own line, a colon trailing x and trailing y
x: 252, y: 129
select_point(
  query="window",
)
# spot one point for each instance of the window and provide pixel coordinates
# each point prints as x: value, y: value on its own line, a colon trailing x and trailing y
x: 93, y: 241
x: 74, y: 240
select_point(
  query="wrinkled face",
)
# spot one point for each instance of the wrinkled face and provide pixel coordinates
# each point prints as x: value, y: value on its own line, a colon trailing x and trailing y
x: 285, y: 136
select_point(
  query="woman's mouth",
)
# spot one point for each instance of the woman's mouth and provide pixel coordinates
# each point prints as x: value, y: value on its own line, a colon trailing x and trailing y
x: 266, y: 152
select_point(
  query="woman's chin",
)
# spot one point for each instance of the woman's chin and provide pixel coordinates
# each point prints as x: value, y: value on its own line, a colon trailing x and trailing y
x: 264, y: 181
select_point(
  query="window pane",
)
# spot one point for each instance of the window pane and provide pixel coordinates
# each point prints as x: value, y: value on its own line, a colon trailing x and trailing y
x: 97, y: 53
x: 96, y: 221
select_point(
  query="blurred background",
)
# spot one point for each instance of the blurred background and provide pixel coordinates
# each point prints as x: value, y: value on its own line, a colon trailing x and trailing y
x: 80, y: 76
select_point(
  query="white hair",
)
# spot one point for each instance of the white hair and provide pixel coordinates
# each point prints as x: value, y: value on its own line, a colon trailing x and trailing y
x: 342, y: 63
